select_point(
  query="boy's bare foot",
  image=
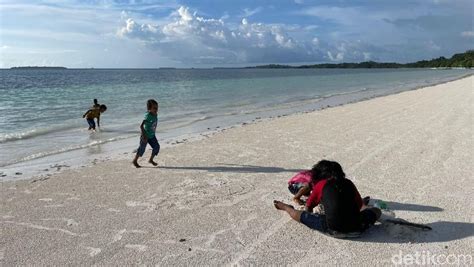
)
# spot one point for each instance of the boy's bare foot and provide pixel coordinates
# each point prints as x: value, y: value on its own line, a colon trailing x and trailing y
x: 153, y: 163
x: 136, y: 164
x: 281, y: 206
x: 298, y: 201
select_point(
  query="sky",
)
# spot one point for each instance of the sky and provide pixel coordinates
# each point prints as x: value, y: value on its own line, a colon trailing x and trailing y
x: 229, y: 33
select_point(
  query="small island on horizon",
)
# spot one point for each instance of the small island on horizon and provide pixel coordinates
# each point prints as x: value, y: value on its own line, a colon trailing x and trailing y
x: 460, y: 60
x: 38, y: 67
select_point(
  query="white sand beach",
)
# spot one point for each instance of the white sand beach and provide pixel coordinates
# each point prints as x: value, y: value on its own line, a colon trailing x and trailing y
x: 210, y: 201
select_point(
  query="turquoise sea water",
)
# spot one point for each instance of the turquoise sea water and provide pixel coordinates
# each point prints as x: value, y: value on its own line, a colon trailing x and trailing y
x: 41, y: 110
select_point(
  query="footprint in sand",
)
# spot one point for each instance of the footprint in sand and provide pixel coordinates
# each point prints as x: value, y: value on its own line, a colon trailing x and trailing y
x: 148, y: 206
x: 93, y: 251
x: 118, y: 236
x: 113, y: 210
x: 140, y: 248
x: 71, y: 222
x: 45, y: 199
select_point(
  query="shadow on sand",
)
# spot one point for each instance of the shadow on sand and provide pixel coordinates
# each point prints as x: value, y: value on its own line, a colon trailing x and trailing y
x: 234, y: 168
x: 392, y: 205
x: 443, y: 231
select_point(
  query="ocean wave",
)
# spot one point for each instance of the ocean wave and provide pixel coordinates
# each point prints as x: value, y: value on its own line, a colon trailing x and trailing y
x: 64, y: 150
x: 34, y: 133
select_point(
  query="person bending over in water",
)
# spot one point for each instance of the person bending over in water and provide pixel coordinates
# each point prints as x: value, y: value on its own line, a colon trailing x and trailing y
x: 344, y: 210
x: 148, y: 129
x: 94, y: 113
x: 96, y: 104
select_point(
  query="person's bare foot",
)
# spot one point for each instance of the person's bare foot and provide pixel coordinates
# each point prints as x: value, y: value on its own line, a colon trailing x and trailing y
x: 298, y: 201
x: 281, y: 206
x: 135, y: 163
x: 153, y: 163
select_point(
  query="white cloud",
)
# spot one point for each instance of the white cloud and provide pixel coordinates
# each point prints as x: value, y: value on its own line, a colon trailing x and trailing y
x: 339, y: 56
x: 225, y: 16
x: 433, y: 46
x: 190, y: 38
x: 250, y: 12
x: 367, y: 56
x: 467, y: 34
x: 133, y: 29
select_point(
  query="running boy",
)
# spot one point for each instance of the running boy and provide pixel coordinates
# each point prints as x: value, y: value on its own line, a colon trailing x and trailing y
x: 94, y: 113
x: 148, y: 129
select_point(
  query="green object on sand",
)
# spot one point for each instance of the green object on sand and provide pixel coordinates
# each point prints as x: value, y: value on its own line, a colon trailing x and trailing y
x: 381, y: 205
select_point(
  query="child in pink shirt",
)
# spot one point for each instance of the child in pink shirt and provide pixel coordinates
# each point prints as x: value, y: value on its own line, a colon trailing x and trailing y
x: 300, y: 185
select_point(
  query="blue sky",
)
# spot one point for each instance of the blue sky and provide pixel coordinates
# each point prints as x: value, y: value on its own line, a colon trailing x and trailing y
x: 205, y: 33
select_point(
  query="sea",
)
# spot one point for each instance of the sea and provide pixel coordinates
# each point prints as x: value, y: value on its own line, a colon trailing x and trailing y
x: 42, y: 129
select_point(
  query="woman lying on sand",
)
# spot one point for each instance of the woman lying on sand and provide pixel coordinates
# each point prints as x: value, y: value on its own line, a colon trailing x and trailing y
x: 344, y: 210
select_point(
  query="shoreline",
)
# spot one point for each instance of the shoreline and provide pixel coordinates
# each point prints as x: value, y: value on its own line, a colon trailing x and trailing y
x: 210, y: 201
x: 40, y: 168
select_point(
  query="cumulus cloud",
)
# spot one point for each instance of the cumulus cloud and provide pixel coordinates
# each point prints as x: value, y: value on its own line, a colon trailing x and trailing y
x: 190, y: 38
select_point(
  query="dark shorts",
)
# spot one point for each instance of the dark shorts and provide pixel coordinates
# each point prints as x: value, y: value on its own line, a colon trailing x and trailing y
x: 318, y: 222
x: 91, y: 123
x: 314, y: 221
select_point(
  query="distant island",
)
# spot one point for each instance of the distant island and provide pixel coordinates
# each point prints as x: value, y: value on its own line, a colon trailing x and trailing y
x: 37, y: 67
x: 462, y: 60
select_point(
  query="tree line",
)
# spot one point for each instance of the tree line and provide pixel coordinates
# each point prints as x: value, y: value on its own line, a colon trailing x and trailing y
x: 461, y: 60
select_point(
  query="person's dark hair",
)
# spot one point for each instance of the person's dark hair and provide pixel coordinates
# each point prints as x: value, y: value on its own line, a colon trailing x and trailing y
x: 337, y: 172
x: 321, y: 170
x: 95, y: 101
x: 103, y: 107
x: 150, y: 103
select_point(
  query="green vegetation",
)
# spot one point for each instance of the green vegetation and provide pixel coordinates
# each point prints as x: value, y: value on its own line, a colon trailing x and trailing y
x: 462, y: 60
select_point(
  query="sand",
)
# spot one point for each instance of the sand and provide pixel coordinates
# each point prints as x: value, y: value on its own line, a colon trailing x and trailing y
x: 210, y: 201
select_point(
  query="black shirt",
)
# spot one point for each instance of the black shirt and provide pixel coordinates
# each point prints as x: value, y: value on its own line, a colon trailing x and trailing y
x: 340, y: 206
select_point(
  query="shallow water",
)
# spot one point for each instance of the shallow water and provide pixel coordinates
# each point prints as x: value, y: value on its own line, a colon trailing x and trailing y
x: 41, y: 110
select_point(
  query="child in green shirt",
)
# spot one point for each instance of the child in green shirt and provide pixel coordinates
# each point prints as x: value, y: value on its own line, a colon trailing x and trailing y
x: 148, y: 129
